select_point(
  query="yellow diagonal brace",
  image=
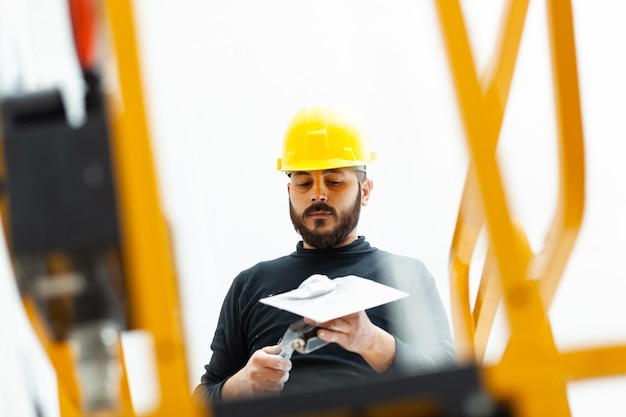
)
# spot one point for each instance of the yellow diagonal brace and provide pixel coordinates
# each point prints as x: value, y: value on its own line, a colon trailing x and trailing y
x: 493, y: 92
x: 150, y: 275
x: 531, y: 371
x: 61, y: 360
x: 550, y: 263
x: 490, y: 292
x: 531, y: 346
x: 478, y: 124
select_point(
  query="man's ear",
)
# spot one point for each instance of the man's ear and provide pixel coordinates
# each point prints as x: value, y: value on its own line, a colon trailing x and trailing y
x: 288, y: 187
x: 366, y: 189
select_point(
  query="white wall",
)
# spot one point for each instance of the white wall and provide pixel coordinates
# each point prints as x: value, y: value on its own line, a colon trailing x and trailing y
x: 224, y: 78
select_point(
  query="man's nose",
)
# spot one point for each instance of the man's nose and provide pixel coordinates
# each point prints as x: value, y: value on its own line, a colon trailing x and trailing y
x: 319, y: 193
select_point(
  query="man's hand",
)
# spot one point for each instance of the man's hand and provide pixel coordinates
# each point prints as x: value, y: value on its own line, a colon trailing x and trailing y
x: 264, y: 374
x: 356, y: 333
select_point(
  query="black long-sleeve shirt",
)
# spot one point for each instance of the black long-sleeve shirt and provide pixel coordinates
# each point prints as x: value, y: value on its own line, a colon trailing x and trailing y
x: 418, y: 323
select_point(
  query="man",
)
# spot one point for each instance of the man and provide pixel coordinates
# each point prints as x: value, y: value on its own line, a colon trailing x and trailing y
x: 325, y: 156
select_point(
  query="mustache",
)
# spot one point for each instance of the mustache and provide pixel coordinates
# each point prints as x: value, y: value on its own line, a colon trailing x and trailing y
x: 319, y: 207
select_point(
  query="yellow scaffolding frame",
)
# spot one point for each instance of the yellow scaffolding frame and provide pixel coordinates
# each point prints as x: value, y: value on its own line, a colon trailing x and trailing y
x: 148, y: 261
x: 152, y: 284
x: 532, y: 373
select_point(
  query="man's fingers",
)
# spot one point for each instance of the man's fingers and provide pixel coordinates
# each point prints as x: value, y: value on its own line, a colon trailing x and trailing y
x: 274, y: 375
x: 275, y: 381
x: 311, y: 321
x: 279, y: 363
x: 341, y: 323
x: 272, y: 361
x: 331, y: 336
x: 272, y: 350
x: 337, y: 325
x: 273, y: 387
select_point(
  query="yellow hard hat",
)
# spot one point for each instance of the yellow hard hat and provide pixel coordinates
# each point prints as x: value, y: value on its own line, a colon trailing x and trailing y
x: 320, y: 137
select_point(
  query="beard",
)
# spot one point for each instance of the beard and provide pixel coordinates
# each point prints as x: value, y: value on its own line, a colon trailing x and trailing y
x: 347, y: 221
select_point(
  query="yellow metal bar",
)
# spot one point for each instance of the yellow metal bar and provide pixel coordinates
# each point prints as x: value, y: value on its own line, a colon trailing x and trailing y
x: 501, y: 232
x: 495, y: 88
x: 531, y: 355
x: 60, y: 358
x: 470, y: 219
x: 594, y: 363
x: 551, y: 261
x: 566, y: 366
x: 490, y: 292
x: 496, y: 80
x: 472, y: 329
x: 468, y: 226
x: 532, y: 373
x: 153, y: 294
x: 527, y: 381
x: 486, y: 305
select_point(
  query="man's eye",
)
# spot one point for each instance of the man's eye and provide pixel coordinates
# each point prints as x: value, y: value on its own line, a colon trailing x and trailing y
x: 335, y: 183
x: 303, y: 184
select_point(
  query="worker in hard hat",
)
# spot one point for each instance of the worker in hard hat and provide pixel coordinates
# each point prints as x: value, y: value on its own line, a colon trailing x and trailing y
x: 325, y: 156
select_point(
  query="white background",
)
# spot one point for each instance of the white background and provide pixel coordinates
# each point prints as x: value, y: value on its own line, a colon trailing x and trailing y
x: 223, y: 79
